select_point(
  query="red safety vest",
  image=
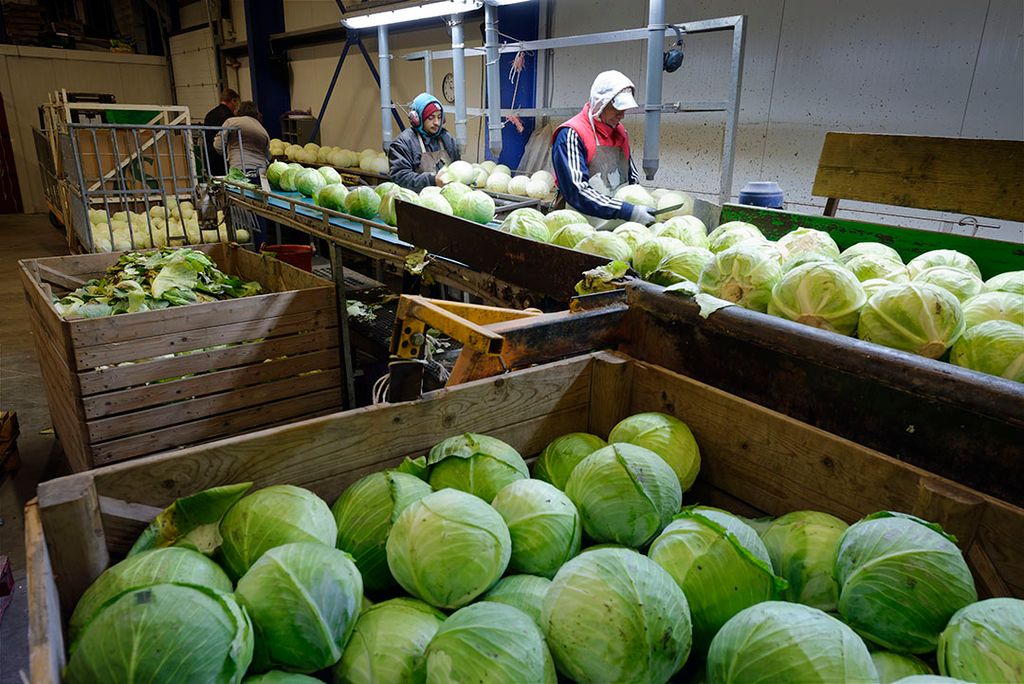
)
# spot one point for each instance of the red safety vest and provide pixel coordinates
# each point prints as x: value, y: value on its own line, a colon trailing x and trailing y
x: 606, y: 135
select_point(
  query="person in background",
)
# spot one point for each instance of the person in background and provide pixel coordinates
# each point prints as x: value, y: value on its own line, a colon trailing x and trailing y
x: 216, y: 117
x: 591, y: 157
x: 248, y: 149
x: 423, y: 148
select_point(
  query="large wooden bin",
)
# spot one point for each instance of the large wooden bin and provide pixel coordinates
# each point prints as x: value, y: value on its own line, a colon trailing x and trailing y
x: 134, y: 384
x: 754, y: 461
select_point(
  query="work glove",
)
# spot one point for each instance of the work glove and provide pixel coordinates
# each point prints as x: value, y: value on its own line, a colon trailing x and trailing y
x: 642, y: 215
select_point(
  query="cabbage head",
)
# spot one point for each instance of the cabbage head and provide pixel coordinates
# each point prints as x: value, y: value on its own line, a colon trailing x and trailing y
x: 874, y: 286
x: 671, y: 199
x: 993, y: 306
x: 895, y: 666
x: 362, y: 201
x: 689, y: 230
x: 308, y: 181
x: 332, y: 196
x: 274, y: 172
x: 280, y: 677
x: 454, y: 191
x: 365, y: 513
x: 873, y: 266
x: 993, y: 347
x: 606, y: 245
x: 556, y: 462
x: 498, y: 182
x: 286, y: 181
x: 666, y: 436
x: 625, y: 494
x: 387, y: 205
x: 171, y: 564
x: 942, y: 257
x: 929, y: 679
x: 733, y: 233
x: 470, y: 462
x: 636, y: 195
x: 720, y: 564
x: 915, y: 317
x: 388, y: 642
x: 462, y: 171
x: 686, y: 264
x: 560, y: 218
x: 1011, y: 281
x: 802, y: 546
x: 821, y: 295
x: 436, y: 202
x: 614, y: 615
x: 900, y: 581
x: 984, y: 642
x: 787, y: 642
x: 475, y: 205
x: 448, y: 548
x: 164, y: 633
x: 526, y: 222
x: 570, y: 235
x: 525, y: 592
x: 269, y: 517
x: 330, y: 174
x: 488, y: 642
x: 303, y: 600
x: 807, y: 241
x: 744, y: 274
x: 648, y: 254
x: 875, y: 249
x: 633, y: 233
x: 543, y: 524
x: 518, y: 185
x: 960, y: 283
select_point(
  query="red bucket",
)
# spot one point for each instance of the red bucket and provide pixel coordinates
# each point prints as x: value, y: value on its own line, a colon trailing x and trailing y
x: 300, y: 256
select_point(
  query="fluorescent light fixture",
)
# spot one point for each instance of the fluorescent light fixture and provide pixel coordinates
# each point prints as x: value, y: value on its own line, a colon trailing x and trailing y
x: 499, y: 3
x: 426, y: 10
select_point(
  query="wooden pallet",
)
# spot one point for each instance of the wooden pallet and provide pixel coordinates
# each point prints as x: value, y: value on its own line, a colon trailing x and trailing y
x: 134, y: 384
x: 754, y: 461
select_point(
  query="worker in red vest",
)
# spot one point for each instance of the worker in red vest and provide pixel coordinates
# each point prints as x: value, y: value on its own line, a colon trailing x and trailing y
x: 591, y: 158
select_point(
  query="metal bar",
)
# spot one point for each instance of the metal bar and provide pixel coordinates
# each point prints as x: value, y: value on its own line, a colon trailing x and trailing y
x: 668, y: 107
x: 330, y: 90
x: 459, y: 74
x: 732, y: 114
x: 145, y: 195
x: 655, y: 72
x: 428, y: 72
x: 344, y: 341
x: 384, y: 57
x: 376, y: 77
x: 493, y: 80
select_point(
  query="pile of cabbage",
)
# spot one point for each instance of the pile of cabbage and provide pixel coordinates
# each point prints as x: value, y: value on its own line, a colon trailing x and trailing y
x: 323, y: 185
x: 466, y: 564
x: 174, y: 223
x: 498, y: 178
x: 373, y: 161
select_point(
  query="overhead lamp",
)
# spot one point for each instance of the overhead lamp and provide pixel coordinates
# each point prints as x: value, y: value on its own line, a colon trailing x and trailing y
x: 427, y: 10
x: 499, y: 3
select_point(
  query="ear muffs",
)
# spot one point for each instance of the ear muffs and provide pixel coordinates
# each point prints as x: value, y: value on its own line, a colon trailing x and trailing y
x: 414, y: 118
x: 673, y: 58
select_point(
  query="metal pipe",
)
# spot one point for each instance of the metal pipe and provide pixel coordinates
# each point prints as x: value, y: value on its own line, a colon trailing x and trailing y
x: 732, y: 114
x: 428, y: 72
x: 493, y: 80
x: 652, y: 123
x: 384, y: 57
x: 459, y: 74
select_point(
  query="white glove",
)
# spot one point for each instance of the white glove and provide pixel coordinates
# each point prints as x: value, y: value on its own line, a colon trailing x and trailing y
x: 642, y: 215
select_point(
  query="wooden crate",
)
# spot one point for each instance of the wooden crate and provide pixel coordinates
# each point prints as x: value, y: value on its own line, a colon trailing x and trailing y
x: 754, y: 461
x: 282, y: 362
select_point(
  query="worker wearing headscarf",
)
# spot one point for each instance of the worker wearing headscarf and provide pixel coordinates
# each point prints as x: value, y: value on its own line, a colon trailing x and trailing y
x: 591, y: 157
x: 423, y: 148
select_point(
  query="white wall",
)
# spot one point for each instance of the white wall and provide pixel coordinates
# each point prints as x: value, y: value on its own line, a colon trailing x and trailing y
x: 195, y: 71
x: 29, y: 74
x: 925, y: 67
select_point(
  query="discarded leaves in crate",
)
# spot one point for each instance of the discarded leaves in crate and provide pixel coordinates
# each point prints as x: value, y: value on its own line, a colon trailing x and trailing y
x: 154, y: 280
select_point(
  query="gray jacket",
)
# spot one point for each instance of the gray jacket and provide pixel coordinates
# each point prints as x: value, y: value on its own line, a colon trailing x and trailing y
x: 254, y: 151
x: 405, y: 155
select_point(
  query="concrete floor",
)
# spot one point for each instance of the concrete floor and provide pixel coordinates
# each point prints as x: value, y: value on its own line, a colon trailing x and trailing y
x: 22, y: 236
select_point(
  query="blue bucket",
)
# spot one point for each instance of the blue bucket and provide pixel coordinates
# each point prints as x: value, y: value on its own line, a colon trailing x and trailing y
x: 762, y: 194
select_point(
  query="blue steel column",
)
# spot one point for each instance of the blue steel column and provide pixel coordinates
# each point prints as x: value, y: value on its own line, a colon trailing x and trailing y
x: 268, y: 77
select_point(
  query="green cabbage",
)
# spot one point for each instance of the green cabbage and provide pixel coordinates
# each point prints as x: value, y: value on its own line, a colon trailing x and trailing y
x: 915, y: 317
x: 543, y: 524
x: 606, y: 245
x: 821, y: 295
x: 733, y: 233
x: 436, y: 202
x: 689, y: 230
x: 686, y: 264
x: 330, y: 174
x: 960, y: 283
x: 308, y: 181
x: 874, y: 249
x: 984, y: 642
x: 387, y: 205
x: 388, y: 642
x: 942, y: 257
x: 525, y: 592
x: 274, y: 172
x: 570, y: 235
x: 636, y: 195
x: 332, y: 196
x: 556, y: 462
x: 454, y: 191
x: 470, y: 462
x: 895, y: 666
x: 633, y: 233
x: 561, y: 218
x: 475, y: 205
x: 1011, y: 281
x: 872, y: 267
x: 666, y: 436
x: 362, y: 201
x: 744, y: 274
x: 527, y: 223
x: 993, y: 347
x: 648, y: 254
x: 994, y: 306
x: 802, y: 546
x: 807, y: 240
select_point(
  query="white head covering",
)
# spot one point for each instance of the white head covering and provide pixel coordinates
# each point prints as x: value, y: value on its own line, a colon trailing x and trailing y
x: 611, y: 87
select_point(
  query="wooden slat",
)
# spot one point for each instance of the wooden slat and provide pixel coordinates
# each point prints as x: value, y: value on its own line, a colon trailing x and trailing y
x: 609, y: 392
x: 190, y: 410
x: 118, y: 377
x: 250, y: 375
x: 182, y: 319
x: 1000, y: 533
x: 313, y: 450
x: 965, y: 176
x: 50, y: 324
x: 45, y: 639
x: 87, y: 358
x: 215, y: 427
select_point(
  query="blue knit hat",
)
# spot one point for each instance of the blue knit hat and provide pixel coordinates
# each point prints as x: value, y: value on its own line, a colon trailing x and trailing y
x: 418, y: 105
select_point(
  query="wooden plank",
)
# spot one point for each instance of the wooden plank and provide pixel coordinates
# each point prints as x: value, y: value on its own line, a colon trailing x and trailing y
x: 49, y: 275
x: 992, y: 256
x: 118, y: 377
x: 189, y: 410
x: 88, y: 358
x: 215, y: 427
x: 181, y: 319
x: 312, y: 450
x: 609, y: 392
x: 137, y: 398
x: 50, y: 324
x: 964, y: 176
x: 45, y: 638
x: 1000, y: 533
x: 70, y: 512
